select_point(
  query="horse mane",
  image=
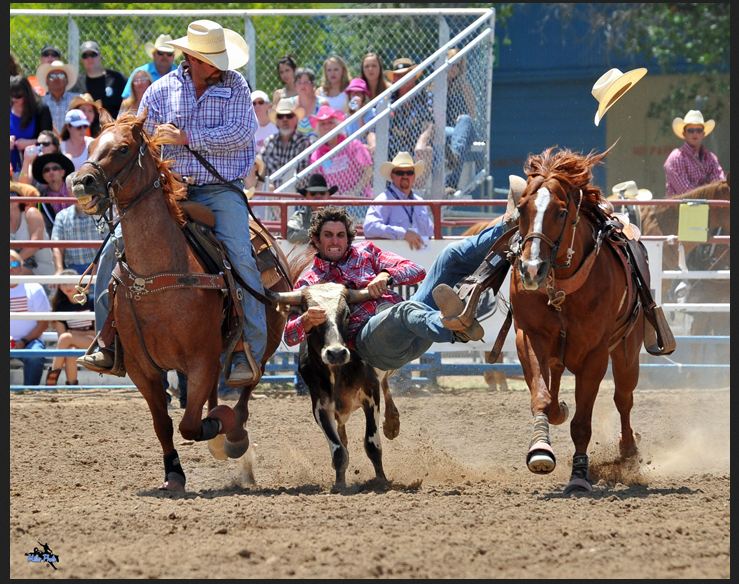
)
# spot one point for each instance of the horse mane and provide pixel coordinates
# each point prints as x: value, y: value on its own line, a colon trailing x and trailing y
x: 572, y: 170
x: 719, y: 189
x: 299, y: 257
x: 173, y: 189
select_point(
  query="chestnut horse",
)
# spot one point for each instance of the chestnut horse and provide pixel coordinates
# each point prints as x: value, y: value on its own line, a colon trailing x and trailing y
x: 180, y: 326
x: 574, y: 303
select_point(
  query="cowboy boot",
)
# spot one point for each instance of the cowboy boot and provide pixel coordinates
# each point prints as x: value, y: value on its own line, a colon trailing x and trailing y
x: 450, y: 306
x: 100, y: 357
x: 244, y: 369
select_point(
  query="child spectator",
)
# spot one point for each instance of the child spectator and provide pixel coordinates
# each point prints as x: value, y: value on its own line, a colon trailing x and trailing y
x: 286, y: 67
x: 334, y: 82
x: 74, y: 137
x: 373, y: 73
x: 73, y: 334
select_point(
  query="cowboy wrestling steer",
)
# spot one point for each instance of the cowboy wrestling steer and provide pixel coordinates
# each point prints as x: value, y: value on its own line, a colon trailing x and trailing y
x: 340, y: 382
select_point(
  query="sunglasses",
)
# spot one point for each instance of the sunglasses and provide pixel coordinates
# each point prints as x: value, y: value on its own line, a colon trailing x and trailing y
x: 141, y: 81
x: 53, y: 76
x: 693, y: 130
x: 15, y: 264
x: 51, y: 54
x: 285, y: 116
x: 404, y: 172
x: 258, y: 102
x: 43, y: 144
x: 51, y: 168
x: 80, y: 127
x: 17, y: 96
x: 163, y: 54
x: 89, y: 55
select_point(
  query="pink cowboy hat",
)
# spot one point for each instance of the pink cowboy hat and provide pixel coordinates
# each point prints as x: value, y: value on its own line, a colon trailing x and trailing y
x: 325, y: 112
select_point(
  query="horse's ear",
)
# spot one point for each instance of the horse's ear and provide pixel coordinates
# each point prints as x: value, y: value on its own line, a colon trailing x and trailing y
x: 142, y: 118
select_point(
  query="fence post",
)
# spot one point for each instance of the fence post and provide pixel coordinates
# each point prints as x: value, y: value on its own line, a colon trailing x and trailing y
x: 439, y: 87
x: 73, y: 42
x: 251, y: 40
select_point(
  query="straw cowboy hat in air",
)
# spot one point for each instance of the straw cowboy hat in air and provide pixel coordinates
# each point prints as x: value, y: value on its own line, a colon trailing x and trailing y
x: 45, y: 68
x: 402, y: 160
x: 162, y: 45
x: 692, y: 118
x: 611, y: 86
x: 217, y: 46
x: 629, y: 190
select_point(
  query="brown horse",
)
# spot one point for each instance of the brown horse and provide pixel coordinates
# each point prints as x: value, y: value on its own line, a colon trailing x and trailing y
x: 180, y: 326
x: 663, y: 220
x: 574, y: 304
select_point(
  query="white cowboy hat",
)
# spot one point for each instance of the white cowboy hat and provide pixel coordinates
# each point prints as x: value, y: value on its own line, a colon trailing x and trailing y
x: 286, y: 105
x: 46, y: 68
x: 611, y: 86
x: 401, y: 160
x: 218, y: 46
x: 162, y: 45
x: 692, y: 118
x: 629, y: 190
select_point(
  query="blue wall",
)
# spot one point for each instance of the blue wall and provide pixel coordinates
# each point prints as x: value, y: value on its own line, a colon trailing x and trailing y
x: 541, y: 89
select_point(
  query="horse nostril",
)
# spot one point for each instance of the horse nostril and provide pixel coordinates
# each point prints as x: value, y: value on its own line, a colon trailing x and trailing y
x: 87, y: 180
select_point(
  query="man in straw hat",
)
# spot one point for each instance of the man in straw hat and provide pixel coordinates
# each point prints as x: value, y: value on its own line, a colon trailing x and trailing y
x: 692, y: 165
x: 412, y: 223
x: 206, y: 108
x: 163, y: 56
x: 287, y: 143
x: 57, y: 78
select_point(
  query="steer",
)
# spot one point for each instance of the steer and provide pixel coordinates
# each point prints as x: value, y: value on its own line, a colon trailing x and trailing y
x: 339, y: 380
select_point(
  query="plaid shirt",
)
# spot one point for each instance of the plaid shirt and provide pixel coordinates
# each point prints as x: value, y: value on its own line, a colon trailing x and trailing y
x: 220, y: 124
x: 275, y: 154
x: 72, y: 225
x: 59, y: 108
x: 685, y: 171
x: 356, y: 270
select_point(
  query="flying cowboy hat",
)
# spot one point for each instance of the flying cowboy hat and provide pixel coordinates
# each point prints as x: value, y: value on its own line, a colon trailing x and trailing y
x: 45, y: 68
x: 629, y: 190
x: 210, y: 42
x: 692, y: 118
x: 162, y: 45
x: 611, y: 86
x: 402, y: 160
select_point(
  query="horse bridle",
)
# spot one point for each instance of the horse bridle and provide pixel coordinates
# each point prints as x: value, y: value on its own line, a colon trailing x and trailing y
x: 110, y: 196
x: 554, y: 245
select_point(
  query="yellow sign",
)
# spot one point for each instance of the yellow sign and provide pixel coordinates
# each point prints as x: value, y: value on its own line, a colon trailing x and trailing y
x: 693, y: 222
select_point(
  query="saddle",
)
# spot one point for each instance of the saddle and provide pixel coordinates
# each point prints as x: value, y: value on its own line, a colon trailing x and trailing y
x: 198, y: 231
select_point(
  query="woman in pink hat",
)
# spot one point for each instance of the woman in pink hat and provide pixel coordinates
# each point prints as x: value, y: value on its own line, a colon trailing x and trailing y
x: 351, y: 168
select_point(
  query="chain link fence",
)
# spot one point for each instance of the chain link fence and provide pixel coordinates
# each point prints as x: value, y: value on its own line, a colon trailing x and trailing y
x: 310, y: 36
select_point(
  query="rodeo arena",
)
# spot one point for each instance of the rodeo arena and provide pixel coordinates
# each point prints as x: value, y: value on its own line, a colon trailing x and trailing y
x: 464, y: 222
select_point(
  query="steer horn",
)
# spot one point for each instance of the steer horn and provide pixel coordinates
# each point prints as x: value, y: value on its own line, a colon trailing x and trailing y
x: 355, y: 296
x: 292, y: 298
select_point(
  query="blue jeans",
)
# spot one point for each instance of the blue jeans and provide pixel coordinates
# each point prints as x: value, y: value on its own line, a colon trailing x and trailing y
x: 33, y: 367
x: 404, y: 332
x: 232, y: 230
x: 459, y: 140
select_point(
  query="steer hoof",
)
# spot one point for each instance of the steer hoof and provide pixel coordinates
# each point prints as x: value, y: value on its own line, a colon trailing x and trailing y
x: 391, y: 427
x: 216, y: 446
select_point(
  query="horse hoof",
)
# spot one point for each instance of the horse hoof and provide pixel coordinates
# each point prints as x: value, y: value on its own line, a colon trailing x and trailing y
x: 236, y: 449
x: 578, y: 485
x: 174, y: 483
x: 540, y: 458
x: 226, y: 416
x: 217, y: 447
x: 391, y: 427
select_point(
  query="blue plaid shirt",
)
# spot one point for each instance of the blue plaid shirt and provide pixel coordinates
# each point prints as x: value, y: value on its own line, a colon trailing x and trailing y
x: 220, y: 124
x: 74, y: 225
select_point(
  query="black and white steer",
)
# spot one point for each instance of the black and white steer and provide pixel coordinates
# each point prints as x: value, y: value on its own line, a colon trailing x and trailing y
x: 339, y: 380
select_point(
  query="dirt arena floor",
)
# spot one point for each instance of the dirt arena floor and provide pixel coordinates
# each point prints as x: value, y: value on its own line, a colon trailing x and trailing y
x: 85, y: 465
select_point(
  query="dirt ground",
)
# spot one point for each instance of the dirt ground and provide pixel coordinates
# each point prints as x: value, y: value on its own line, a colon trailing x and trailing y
x: 85, y: 465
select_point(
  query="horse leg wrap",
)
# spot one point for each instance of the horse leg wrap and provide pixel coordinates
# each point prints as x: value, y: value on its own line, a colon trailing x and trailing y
x: 172, y: 465
x: 579, y: 480
x: 540, y: 458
